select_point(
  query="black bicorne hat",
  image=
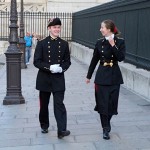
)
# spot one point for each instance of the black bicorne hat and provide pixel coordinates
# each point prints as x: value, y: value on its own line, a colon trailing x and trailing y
x: 53, y: 22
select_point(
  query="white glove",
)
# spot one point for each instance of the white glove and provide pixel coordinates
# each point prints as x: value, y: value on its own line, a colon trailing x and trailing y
x: 56, y: 68
x: 52, y: 67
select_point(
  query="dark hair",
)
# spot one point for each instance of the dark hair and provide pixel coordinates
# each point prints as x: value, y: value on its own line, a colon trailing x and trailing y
x: 111, y: 25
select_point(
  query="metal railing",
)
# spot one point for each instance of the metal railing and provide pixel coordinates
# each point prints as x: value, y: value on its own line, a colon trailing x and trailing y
x: 36, y: 22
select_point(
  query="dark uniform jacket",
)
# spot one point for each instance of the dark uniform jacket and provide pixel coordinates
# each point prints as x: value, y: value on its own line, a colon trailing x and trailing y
x: 51, y: 51
x: 104, y: 52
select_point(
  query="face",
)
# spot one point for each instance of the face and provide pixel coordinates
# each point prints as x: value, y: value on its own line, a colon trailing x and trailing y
x: 54, y: 30
x: 104, y: 30
x: 27, y: 34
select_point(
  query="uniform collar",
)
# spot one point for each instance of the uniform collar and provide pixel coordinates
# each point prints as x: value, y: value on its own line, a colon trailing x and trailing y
x: 106, y: 41
x: 53, y: 39
x: 107, y: 37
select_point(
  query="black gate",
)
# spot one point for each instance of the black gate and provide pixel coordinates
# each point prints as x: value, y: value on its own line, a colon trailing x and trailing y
x: 36, y: 22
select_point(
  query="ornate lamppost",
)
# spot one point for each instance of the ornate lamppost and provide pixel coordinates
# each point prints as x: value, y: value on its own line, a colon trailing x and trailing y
x: 13, y: 62
x: 21, y: 39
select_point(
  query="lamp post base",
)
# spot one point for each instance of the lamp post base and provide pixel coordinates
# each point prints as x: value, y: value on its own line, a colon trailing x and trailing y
x: 10, y: 100
x: 14, y: 90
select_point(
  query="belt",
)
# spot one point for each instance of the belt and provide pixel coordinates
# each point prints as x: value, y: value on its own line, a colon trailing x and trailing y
x: 111, y: 63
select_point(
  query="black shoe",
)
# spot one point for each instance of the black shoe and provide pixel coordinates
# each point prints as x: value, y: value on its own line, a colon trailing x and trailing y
x: 106, y: 134
x: 44, y: 130
x: 61, y: 134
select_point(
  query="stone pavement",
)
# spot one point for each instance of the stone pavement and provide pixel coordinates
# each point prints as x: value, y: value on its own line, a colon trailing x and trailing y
x: 20, y: 130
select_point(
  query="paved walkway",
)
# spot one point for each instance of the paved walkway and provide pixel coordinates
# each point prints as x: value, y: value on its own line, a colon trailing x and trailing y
x: 19, y: 126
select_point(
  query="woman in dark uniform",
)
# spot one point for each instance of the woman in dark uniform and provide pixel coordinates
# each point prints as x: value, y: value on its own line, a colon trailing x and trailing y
x: 108, y: 50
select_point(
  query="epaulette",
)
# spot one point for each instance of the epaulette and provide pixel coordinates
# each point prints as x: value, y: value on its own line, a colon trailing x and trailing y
x: 41, y: 39
x: 120, y: 38
x: 100, y: 39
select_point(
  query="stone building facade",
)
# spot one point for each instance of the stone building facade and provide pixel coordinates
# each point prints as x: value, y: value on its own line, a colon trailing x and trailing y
x: 52, y: 5
x: 29, y: 6
x: 72, y: 5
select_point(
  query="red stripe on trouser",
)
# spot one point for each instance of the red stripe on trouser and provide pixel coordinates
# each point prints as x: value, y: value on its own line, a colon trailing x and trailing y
x: 96, y: 87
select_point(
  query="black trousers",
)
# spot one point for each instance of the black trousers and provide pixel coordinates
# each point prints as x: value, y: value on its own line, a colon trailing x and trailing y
x: 105, y: 120
x: 59, y: 110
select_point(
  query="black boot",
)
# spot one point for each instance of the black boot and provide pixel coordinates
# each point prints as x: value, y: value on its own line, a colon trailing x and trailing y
x: 106, y: 126
x: 106, y: 134
x: 61, y: 134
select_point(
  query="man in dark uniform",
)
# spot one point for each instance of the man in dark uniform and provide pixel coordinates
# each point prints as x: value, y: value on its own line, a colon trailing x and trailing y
x: 52, y: 58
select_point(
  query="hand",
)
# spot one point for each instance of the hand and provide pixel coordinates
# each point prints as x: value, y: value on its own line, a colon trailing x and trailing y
x: 55, y: 68
x: 87, y: 81
x: 111, y: 41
